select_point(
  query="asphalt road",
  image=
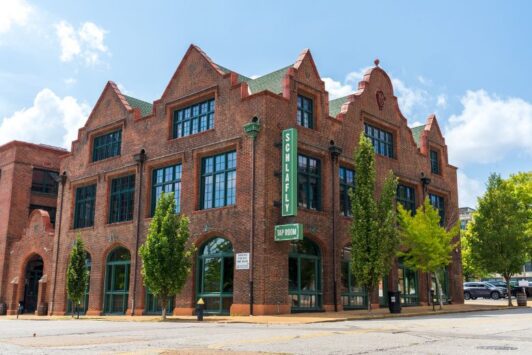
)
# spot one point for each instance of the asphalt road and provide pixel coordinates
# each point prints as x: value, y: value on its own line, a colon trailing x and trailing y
x: 497, y: 332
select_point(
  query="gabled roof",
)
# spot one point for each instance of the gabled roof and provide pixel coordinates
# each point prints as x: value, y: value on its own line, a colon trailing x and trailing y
x: 335, y: 106
x: 272, y: 82
x: 416, y: 132
x: 145, y: 107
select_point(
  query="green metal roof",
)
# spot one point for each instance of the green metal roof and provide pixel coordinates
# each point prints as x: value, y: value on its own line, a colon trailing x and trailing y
x: 241, y: 78
x: 145, y: 107
x: 335, y: 106
x: 416, y: 132
x: 272, y: 82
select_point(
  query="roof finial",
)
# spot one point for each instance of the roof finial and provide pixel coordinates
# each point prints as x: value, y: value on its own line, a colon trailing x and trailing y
x: 376, y: 61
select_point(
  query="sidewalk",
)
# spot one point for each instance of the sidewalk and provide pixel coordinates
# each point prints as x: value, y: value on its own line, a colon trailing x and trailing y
x: 297, y: 318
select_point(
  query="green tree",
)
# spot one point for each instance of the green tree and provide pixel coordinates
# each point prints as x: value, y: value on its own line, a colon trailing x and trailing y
x: 470, y: 269
x: 426, y: 245
x: 500, y: 238
x: 77, y: 274
x: 373, y: 228
x: 166, y: 255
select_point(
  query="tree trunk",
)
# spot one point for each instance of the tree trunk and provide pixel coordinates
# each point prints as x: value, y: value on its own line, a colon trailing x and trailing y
x: 438, y: 290
x: 508, y: 289
x: 164, y: 303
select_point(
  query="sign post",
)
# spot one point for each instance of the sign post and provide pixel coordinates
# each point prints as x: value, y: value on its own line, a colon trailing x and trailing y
x: 289, y: 173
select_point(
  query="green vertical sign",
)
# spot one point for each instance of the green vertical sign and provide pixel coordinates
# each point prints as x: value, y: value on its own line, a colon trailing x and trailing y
x: 289, y: 173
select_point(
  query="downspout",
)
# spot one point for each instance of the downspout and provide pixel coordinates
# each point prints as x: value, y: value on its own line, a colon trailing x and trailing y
x: 252, y: 130
x: 62, y: 179
x: 140, y: 158
x: 335, y: 151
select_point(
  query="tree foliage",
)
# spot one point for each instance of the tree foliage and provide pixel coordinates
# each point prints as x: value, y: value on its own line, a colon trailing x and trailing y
x: 426, y: 245
x: 500, y: 229
x: 166, y: 254
x: 77, y: 273
x: 373, y: 233
x: 470, y: 269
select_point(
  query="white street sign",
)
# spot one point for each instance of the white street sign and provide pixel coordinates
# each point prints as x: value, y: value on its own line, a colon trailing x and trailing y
x: 242, y: 261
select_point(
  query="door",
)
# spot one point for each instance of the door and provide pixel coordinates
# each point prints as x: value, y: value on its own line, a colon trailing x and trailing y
x: 34, y: 272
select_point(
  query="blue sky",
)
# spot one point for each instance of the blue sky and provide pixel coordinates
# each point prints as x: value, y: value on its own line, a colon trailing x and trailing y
x: 466, y: 61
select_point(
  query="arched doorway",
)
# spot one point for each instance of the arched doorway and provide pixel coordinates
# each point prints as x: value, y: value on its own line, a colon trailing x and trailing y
x: 353, y: 295
x: 33, y: 273
x: 85, y: 300
x: 117, y: 281
x: 304, y: 276
x: 215, y: 275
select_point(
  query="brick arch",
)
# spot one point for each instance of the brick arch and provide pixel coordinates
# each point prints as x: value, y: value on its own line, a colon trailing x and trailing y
x: 204, y: 238
x: 321, y: 245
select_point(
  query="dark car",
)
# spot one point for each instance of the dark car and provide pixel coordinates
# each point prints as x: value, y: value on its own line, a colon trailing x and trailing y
x: 473, y: 290
x: 502, y: 284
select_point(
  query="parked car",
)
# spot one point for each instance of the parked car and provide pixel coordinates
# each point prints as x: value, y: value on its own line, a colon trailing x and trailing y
x: 502, y: 284
x: 473, y: 290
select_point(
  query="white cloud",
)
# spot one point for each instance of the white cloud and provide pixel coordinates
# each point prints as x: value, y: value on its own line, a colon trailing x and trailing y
x: 441, y: 101
x: 13, y: 12
x: 415, y: 124
x: 489, y: 129
x: 409, y: 98
x: 70, y: 81
x: 468, y: 190
x: 52, y: 120
x: 87, y: 42
x: 424, y: 80
x: 336, y: 89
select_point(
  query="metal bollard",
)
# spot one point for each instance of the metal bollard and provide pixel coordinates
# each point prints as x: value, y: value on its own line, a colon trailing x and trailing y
x: 432, y: 298
x: 200, y: 305
x: 20, y: 308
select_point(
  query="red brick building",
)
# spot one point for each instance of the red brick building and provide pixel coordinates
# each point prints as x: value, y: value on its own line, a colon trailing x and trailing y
x: 196, y: 141
x: 28, y: 196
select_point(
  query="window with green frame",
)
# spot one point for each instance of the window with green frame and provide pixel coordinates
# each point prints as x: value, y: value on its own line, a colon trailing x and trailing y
x: 406, y: 196
x: 305, y: 111
x: 347, y: 181
x: 381, y: 139
x: 106, y: 145
x: 153, y: 304
x: 167, y: 179
x: 304, y: 276
x: 434, y: 162
x: 84, y: 206
x: 122, y: 199
x: 383, y: 292
x: 218, y: 180
x: 215, y: 270
x: 193, y: 119
x: 309, y: 182
x: 408, y: 285
x: 85, y: 300
x: 117, y: 281
x: 353, y: 296
x: 438, y: 203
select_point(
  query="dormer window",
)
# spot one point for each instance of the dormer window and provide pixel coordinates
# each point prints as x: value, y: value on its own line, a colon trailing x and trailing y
x: 107, y: 145
x: 193, y: 119
x: 434, y: 162
x: 305, y: 111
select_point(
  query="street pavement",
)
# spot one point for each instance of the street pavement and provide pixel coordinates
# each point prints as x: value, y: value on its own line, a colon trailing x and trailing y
x: 488, y: 332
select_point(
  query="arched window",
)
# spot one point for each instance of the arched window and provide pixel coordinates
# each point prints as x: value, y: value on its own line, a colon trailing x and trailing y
x: 353, y: 296
x: 85, y: 300
x: 117, y: 281
x: 304, y: 275
x: 215, y: 275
